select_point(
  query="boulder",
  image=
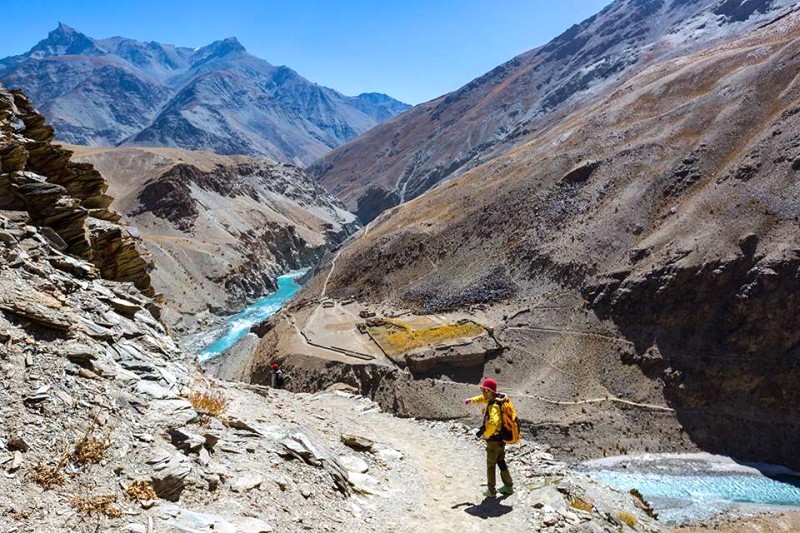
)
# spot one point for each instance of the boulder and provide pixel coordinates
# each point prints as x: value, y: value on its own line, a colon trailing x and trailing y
x: 169, y: 473
x: 184, y: 439
x: 307, y: 446
x: 194, y: 522
x: 364, y: 484
x: 40, y: 314
x: 354, y: 464
x: 124, y: 306
x: 247, y: 483
x: 357, y: 442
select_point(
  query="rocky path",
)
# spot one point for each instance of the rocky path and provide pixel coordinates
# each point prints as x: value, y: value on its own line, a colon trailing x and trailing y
x: 441, y: 488
x: 437, y: 484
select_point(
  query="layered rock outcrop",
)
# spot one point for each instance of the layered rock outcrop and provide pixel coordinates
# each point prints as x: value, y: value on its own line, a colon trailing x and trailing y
x: 57, y: 193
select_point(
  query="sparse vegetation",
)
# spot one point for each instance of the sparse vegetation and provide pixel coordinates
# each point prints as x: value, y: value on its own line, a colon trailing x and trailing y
x: 50, y: 476
x: 23, y: 514
x: 209, y: 402
x: 90, y: 449
x: 628, y: 518
x: 97, y: 505
x: 141, y: 490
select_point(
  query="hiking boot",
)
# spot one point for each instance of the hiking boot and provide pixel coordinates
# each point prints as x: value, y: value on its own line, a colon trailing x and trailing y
x: 489, y: 493
x: 507, y: 491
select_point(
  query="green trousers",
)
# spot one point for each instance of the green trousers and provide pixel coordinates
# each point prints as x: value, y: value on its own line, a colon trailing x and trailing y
x: 496, y: 456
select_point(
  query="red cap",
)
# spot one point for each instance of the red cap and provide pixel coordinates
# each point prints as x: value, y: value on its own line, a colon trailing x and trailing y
x: 275, y: 366
x: 489, y: 384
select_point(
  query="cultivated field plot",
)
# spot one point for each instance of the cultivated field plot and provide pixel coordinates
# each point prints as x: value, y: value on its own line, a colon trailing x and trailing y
x: 396, y: 337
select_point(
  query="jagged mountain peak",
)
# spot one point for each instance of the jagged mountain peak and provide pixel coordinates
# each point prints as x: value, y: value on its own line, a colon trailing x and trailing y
x: 64, y: 29
x: 65, y: 40
x: 375, y: 97
x: 218, y: 49
x: 217, y: 97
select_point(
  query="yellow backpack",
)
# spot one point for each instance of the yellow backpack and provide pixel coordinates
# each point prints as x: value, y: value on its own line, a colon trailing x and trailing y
x: 510, y: 430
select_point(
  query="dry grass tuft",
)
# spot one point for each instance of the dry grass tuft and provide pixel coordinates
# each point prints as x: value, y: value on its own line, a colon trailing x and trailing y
x: 24, y: 514
x: 141, y: 490
x: 50, y: 476
x: 47, y: 476
x: 90, y: 449
x: 580, y: 504
x: 209, y: 402
x: 97, y: 505
x: 628, y: 518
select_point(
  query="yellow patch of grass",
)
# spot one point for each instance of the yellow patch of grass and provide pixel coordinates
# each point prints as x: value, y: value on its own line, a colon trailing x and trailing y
x: 97, y: 505
x: 628, y: 518
x: 408, y: 339
x: 141, y: 490
x: 209, y: 402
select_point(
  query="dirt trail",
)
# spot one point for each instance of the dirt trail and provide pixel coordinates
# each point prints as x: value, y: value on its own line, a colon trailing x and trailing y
x: 441, y: 491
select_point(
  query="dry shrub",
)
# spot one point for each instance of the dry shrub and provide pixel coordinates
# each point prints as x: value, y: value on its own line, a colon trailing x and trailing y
x: 24, y: 514
x: 628, y: 518
x: 580, y: 504
x: 141, y: 490
x: 50, y: 476
x: 97, y: 505
x: 89, y: 449
x: 47, y: 476
x: 209, y: 402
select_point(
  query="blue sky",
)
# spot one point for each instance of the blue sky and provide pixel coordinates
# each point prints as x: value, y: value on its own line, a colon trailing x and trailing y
x: 413, y: 50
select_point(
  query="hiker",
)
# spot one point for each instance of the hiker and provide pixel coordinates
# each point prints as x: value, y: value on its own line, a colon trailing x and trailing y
x: 490, y: 431
x: 278, y: 377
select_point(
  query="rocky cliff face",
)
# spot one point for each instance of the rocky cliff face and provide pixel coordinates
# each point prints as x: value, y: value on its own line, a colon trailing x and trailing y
x: 65, y: 198
x: 517, y: 101
x: 219, y: 229
x: 644, y: 248
x: 220, y: 98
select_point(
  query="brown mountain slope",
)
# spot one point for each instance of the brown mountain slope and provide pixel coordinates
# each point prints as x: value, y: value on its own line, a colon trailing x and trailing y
x: 646, y: 248
x: 219, y: 229
x: 513, y: 103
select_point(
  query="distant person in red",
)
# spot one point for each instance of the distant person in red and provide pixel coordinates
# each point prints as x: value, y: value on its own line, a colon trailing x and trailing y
x: 490, y: 431
x: 278, y: 378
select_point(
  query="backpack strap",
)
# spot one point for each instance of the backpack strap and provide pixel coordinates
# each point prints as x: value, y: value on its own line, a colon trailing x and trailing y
x: 489, y: 405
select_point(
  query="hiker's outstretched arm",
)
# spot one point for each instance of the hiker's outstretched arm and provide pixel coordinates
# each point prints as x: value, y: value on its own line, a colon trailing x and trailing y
x: 475, y: 399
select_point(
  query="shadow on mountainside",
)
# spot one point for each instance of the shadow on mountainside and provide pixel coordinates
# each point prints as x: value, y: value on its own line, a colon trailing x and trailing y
x: 729, y: 360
